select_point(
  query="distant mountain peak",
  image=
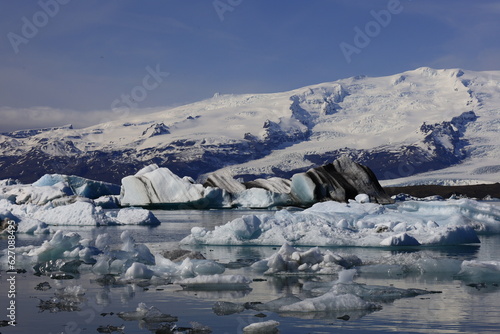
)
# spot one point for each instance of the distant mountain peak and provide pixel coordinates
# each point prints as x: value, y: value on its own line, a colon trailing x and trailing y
x: 420, y: 121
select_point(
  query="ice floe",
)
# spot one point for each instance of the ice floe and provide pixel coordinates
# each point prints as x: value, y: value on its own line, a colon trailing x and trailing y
x: 290, y: 261
x: 480, y: 271
x: 30, y: 218
x: 269, y: 326
x: 216, y: 282
x: 79, y: 186
x: 355, y: 223
x: 51, y: 187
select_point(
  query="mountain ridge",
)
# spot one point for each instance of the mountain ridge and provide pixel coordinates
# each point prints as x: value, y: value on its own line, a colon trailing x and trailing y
x: 412, y: 125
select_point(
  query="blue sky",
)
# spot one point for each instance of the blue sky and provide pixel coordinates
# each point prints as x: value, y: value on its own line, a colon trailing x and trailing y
x: 83, y: 56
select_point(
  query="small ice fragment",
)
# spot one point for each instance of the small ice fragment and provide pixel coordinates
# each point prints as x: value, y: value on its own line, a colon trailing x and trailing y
x: 227, y: 308
x: 262, y: 327
x: 138, y: 271
x: 362, y: 198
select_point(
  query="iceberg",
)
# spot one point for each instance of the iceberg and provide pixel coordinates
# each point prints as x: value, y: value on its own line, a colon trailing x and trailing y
x: 480, y: 271
x: 290, y: 261
x: 52, y: 187
x: 269, y: 326
x: 147, y: 314
x: 38, y: 195
x: 79, y: 186
x: 154, y: 185
x: 135, y: 216
x: 330, y: 302
x: 36, y: 219
x: 78, y: 213
x: 138, y: 271
x: 341, y: 180
x: 451, y: 222
x: 227, y: 308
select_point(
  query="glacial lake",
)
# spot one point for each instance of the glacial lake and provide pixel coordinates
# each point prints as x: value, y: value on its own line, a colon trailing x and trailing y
x: 460, y: 307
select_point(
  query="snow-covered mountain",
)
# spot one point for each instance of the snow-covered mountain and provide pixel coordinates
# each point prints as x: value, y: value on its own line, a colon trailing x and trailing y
x: 420, y: 126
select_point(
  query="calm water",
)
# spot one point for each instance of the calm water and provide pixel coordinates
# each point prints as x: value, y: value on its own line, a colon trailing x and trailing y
x: 460, y: 308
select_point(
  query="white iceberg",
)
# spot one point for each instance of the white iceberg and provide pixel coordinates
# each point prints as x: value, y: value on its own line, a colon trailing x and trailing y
x: 79, y: 186
x: 290, y: 261
x: 38, y: 195
x: 269, y: 326
x: 154, y: 185
x: 135, y: 216
x: 31, y: 218
x: 480, y: 271
x: 138, y: 271
x: 331, y: 302
x: 78, y: 213
x: 331, y: 223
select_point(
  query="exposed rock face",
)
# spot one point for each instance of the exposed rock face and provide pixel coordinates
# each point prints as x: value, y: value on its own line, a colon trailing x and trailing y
x: 339, y: 181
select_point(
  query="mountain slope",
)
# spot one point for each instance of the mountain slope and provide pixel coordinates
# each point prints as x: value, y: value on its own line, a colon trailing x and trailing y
x: 444, y: 123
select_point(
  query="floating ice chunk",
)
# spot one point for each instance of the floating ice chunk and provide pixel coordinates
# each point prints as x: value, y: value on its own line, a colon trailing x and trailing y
x: 330, y: 302
x: 147, y: 314
x: 216, y: 282
x: 102, y: 241
x: 139, y: 252
x: 207, y: 267
x: 72, y: 291
x: 79, y: 186
x: 138, y: 271
x: 54, y: 248
x: 59, y: 265
x: 136, y: 216
x: 346, y: 276
x: 290, y: 261
x: 227, y: 308
x: 78, y: 213
x: 480, y: 271
x: 411, y: 263
x: 318, y: 288
x: 269, y: 326
x: 377, y: 293
x: 357, y: 224
x: 38, y: 195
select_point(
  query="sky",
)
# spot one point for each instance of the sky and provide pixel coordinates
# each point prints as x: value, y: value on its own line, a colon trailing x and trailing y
x: 86, y: 61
